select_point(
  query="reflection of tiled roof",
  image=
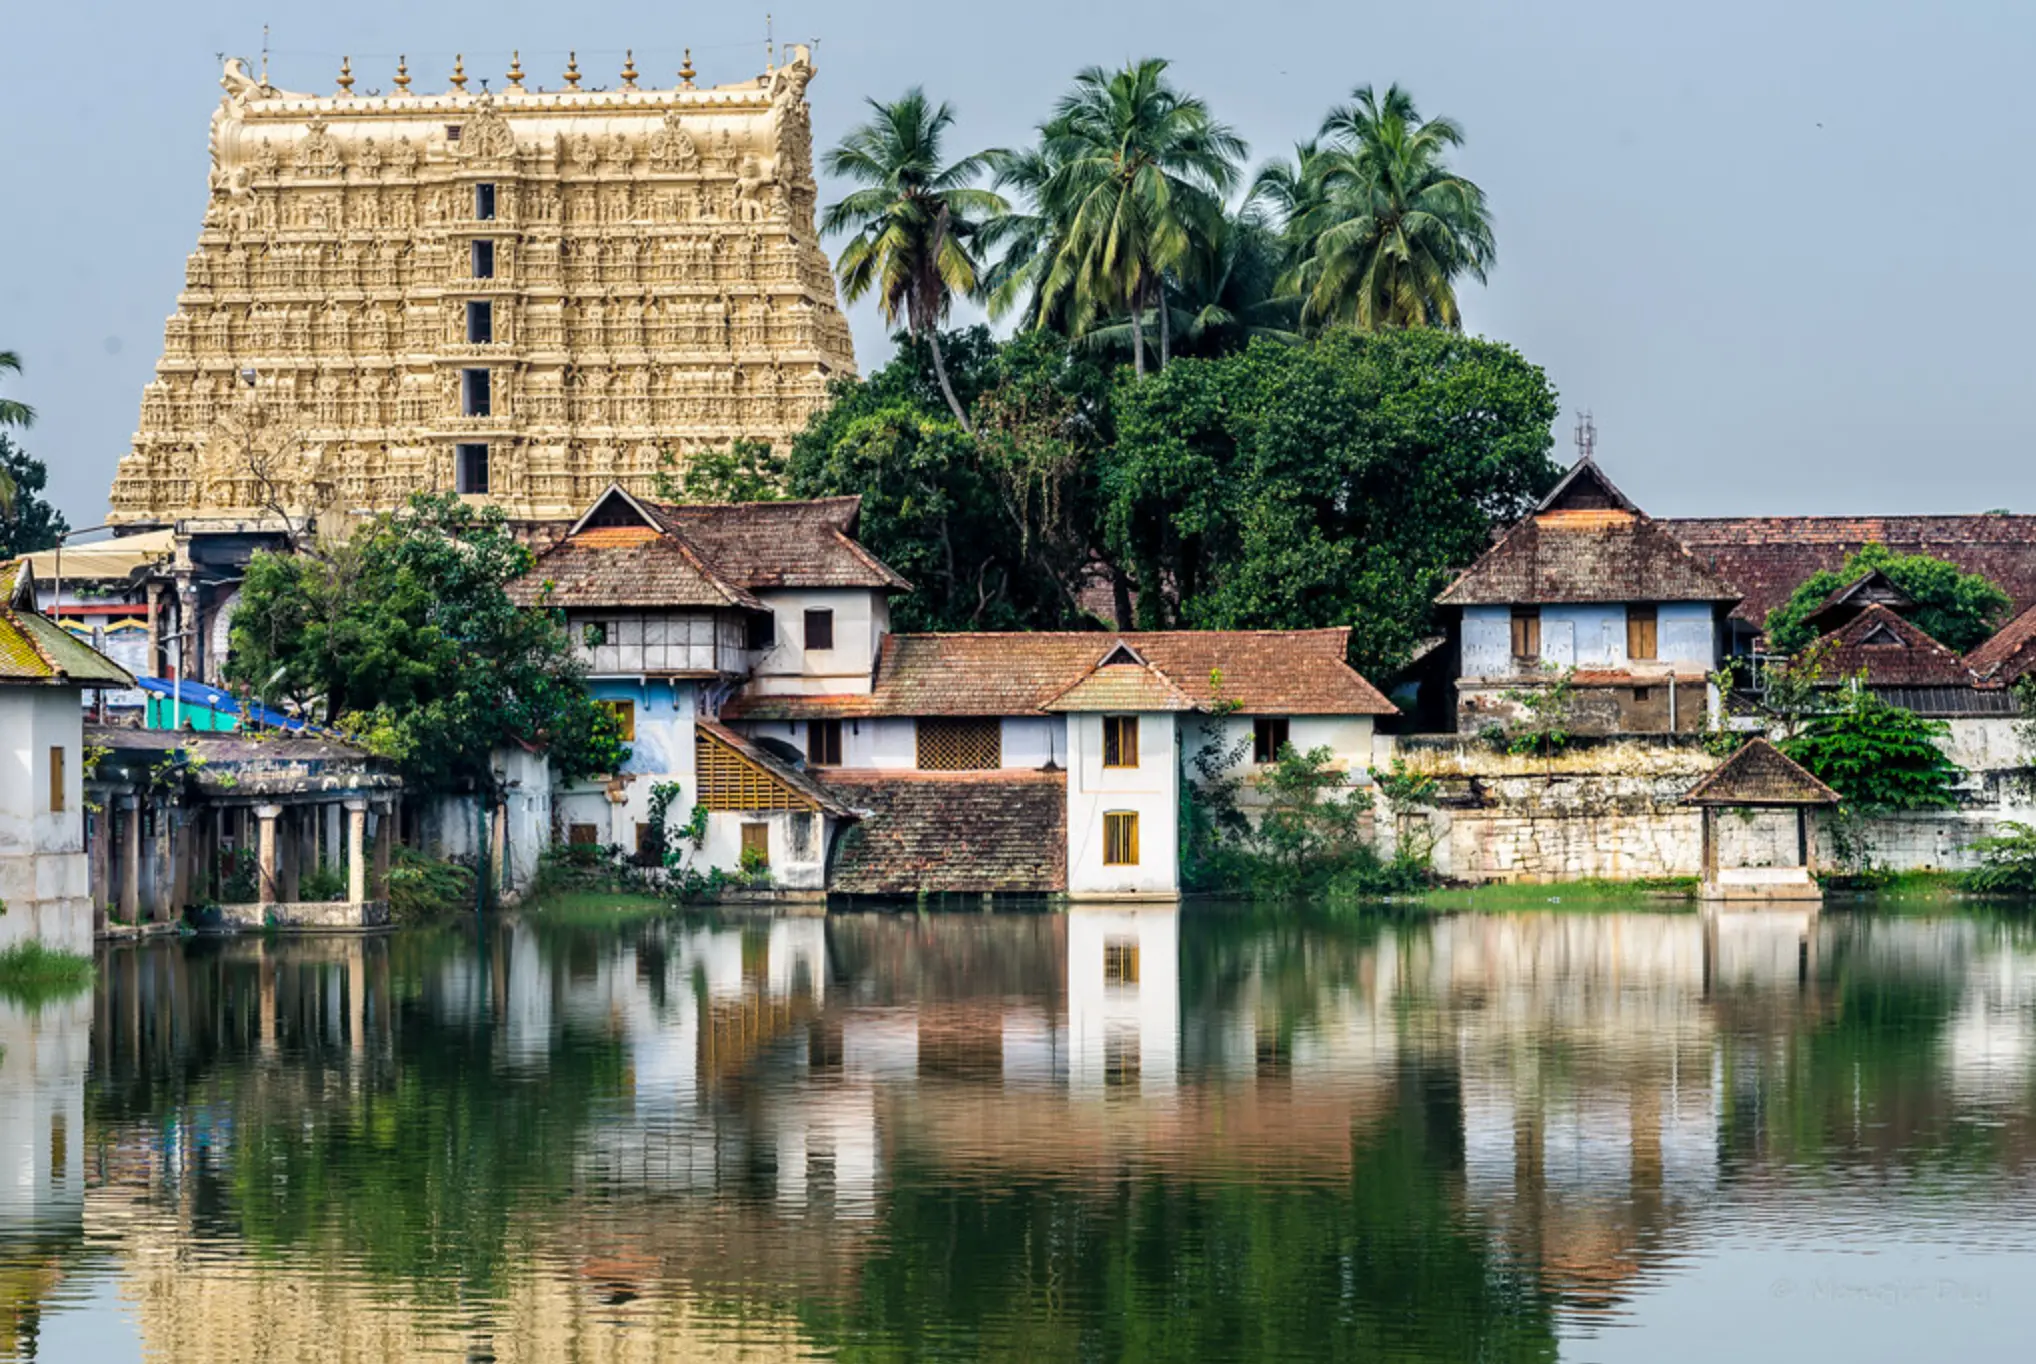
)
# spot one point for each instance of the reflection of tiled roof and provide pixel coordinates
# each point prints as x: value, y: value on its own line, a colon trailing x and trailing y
x: 947, y: 832
x: 1255, y: 672
x: 1767, y: 557
x: 35, y: 650
x: 1891, y: 651
x: 1760, y: 774
x: 2009, y: 654
x: 784, y: 544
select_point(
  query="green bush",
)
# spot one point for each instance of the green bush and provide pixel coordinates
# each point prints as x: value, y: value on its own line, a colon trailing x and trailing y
x: 1877, y: 756
x: 322, y: 883
x: 31, y: 974
x: 423, y: 889
x: 2007, y: 861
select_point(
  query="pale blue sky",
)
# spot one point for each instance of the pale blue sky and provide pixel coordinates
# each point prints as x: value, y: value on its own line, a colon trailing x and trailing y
x: 1759, y: 239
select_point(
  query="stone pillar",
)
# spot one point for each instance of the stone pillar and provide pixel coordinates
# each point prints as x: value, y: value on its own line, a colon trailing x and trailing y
x: 265, y: 853
x: 330, y: 857
x: 1709, y: 817
x: 385, y: 839
x: 307, y: 839
x: 498, y: 846
x: 356, y: 860
x: 180, y: 857
x: 287, y: 882
x: 102, y: 890
x: 130, y: 858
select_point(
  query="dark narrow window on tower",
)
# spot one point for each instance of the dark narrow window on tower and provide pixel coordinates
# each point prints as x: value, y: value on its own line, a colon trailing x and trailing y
x: 484, y: 259
x: 474, y: 393
x: 470, y: 471
x: 484, y: 203
x: 819, y: 628
x: 480, y: 322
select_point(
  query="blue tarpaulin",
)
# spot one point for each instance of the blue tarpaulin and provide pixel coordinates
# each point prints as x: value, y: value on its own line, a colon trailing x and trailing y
x: 201, y: 703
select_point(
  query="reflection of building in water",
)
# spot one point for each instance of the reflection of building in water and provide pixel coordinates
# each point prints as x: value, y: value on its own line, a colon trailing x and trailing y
x: 42, y: 1158
x: 1123, y: 999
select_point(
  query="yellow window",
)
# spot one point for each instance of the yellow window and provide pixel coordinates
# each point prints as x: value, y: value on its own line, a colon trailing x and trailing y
x: 56, y: 781
x: 1642, y: 624
x: 1120, y: 741
x: 1120, y: 838
x: 625, y: 718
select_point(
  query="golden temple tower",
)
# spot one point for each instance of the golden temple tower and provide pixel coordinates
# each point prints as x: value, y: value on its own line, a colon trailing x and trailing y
x: 519, y: 295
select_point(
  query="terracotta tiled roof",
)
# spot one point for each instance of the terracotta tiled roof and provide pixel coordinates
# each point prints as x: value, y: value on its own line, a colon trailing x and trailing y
x: 1263, y: 672
x: 2010, y: 654
x: 1760, y: 774
x: 946, y: 832
x: 784, y: 544
x: 1586, y: 556
x: 36, y: 651
x: 1122, y: 687
x: 1767, y: 557
x: 1891, y: 651
x: 610, y: 566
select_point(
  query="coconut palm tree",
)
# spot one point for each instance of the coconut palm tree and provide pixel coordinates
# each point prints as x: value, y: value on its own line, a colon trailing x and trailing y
x: 1390, y: 228
x: 12, y: 413
x: 1230, y: 293
x: 1028, y: 233
x: 1140, y: 170
x: 915, y: 220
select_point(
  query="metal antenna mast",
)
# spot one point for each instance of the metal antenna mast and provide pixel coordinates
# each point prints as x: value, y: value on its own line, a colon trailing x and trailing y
x: 1586, y: 436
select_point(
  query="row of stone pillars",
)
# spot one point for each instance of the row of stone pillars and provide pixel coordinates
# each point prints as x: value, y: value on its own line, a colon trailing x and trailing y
x: 279, y: 862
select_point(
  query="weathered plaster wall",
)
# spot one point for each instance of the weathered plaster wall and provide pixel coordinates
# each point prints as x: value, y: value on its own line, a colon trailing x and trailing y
x: 45, y: 878
x: 1150, y: 789
x: 861, y: 619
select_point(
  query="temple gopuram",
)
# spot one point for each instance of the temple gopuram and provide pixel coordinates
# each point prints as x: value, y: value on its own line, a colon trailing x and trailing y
x: 518, y: 295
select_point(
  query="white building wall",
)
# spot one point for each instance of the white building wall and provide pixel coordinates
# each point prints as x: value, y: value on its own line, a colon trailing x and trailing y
x: 1686, y: 635
x: 1031, y: 741
x: 1590, y: 635
x: 796, y: 845
x: 45, y: 878
x: 1152, y: 790
x: 861, y: 619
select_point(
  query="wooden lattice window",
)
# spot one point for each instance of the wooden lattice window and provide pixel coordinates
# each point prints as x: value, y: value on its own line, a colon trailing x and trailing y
x: 960, y: 744
x: 1120, y: 741
x: 730, y: 781
x: 583, y: 836
x: 1120, y: 838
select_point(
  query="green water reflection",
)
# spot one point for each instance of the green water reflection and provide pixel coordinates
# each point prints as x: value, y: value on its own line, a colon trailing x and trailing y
x: 1142, y: 1135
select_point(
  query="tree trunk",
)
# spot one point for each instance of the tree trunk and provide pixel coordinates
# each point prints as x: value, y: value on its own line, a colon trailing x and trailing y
x: 1165, y: 327
x: 1120, y: 597
x: 1137, y: 338
x: 946, y: 389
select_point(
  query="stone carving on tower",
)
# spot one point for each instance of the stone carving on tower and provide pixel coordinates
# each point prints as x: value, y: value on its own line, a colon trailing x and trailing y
x: 520, y: 295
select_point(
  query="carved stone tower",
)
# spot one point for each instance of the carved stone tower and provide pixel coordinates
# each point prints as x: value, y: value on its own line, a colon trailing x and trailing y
x: 519, y: 296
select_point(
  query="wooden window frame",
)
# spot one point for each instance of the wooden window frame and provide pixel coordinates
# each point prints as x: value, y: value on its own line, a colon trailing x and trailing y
x: 1120, y: 741
x: 819, y: 628
x: 958, y: 743
x: 583, y: 835
x: 823, y: 743
x: 1526, y: 637
x: 1643, y: 632
x: 1269, y: 734
x: 59, y: 779
x: 625, y: 718
x: 1120, y: 838
x: 756, y: 834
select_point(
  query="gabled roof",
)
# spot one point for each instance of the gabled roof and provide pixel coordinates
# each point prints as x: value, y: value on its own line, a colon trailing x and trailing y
x: 622, y: 553
x: 1252, y: 672
x: 1868, y: 588
x: 1889, y: 650
x: 762, y: 545
x: 1122, y: 687
x: 2010, y: 654
x: 35, y: 650
x: 801, y: 786
x: 1760, y: 774
x: 1768, y: 557
x: 1586, y: 542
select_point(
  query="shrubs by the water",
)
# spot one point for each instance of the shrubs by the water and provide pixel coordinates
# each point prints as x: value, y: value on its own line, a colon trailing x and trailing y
x: 2007, y: 863
x: 31, y: 973
x: 423, y: 889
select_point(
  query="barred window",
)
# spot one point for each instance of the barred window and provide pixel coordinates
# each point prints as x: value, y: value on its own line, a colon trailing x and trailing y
x: 960, y: 744
x: 1120, y: 838
x: 1120, y: 741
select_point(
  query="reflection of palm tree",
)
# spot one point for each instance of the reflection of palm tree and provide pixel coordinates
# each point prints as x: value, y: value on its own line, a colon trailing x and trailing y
x: 12, y: 413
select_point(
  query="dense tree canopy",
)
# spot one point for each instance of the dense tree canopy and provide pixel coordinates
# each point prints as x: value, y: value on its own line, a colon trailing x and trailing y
x: 27, y: 522
x: 1957, y: 609
x: 404, y: 636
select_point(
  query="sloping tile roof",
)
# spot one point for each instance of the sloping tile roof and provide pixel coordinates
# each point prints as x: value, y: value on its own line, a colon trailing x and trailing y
x: 1767, y: 557
x: 1123, y: 687
x: 1573, y: 556
x: 784, y: 544
x: 1263, y: 672
x: 770, y: 762
x: 1760, y: 774
x: 1891, y: 651
x: 34, y: 650
x: 2010, y: 654
x: 947, y: 832
x: 610, y: 567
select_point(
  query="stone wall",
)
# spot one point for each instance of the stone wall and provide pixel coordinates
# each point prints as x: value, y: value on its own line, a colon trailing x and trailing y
x: 1611, y: 807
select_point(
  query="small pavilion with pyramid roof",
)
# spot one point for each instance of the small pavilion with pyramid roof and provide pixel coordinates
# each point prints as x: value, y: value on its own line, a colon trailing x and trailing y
x: 1760, y: 776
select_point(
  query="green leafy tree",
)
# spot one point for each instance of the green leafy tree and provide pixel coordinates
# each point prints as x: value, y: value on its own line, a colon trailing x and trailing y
x: 1338, y: 483
x: 2007, y: 860
x: 742, y: 471
x: 913, y: 222
x: 1313, y: 817
x: 1878, y: 756
x: 14, y: 413
x: 1387, y: 227
x: 27, y: 522
x: 1138, y: 175
x: 404, y: 636
x: 1959, y: 610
